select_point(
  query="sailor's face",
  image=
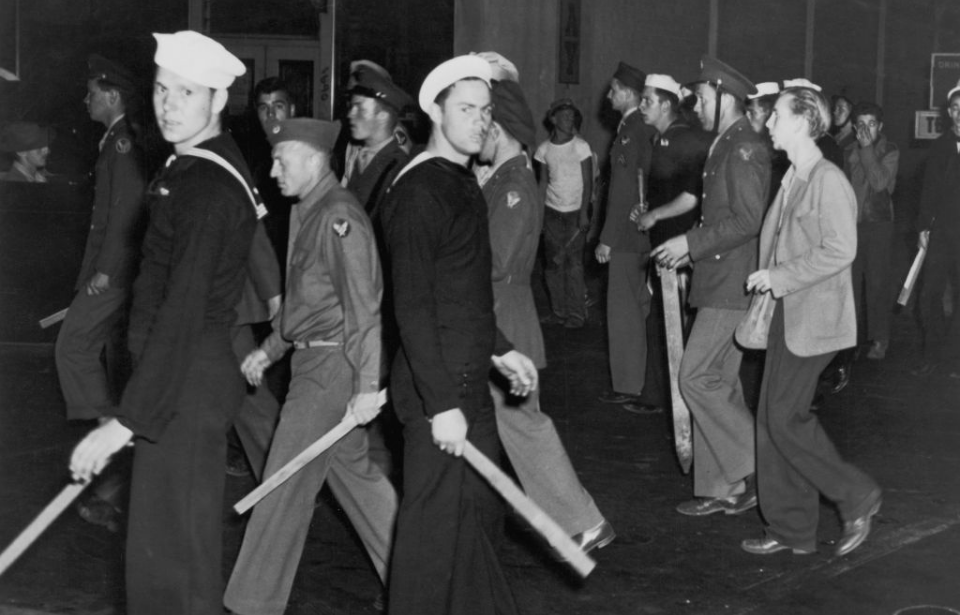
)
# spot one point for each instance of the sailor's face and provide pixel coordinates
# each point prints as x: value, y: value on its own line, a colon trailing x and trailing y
x: 467, y: 113
x: 185, y: 110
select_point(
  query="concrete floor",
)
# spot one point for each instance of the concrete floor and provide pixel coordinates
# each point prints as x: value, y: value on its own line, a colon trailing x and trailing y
x: 902, y: 430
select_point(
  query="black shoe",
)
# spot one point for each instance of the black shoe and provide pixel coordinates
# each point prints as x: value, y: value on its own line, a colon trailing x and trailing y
x: 927, y: 368
x: 613, y: 397
x: 856, y: 531
x: 768, y: 546
x: 595, y: 538
x: 641, y: 408
x: 842, y: 379
x: 553, y: 319
x: 817, y: 402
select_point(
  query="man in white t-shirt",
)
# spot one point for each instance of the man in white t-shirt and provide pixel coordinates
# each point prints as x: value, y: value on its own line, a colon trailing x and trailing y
x: 566, y: 168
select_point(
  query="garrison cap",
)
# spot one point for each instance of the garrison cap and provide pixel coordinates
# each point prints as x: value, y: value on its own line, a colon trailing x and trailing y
x: 767, y: 88
x: 630, y: 76
x: 448, y: 73
x: 663, y: 82
x: 561, y: 104
x: 502, y: 68
x: 102, y: 69
x: 319, y: 134
x: 725, y: 77
x: 198, y: 58
x: 372, y: 84
x: 800, y: 83
x: 511, y: 111
x: 24, y: 136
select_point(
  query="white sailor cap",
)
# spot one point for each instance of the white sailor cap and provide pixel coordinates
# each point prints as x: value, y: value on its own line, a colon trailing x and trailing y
x: 197, y: 58
x: 800, y: 83
x: 953, y: 91
x: 767, y: 88
x: 663, y: 82
x: 502, y: 68
x: 448, y: 73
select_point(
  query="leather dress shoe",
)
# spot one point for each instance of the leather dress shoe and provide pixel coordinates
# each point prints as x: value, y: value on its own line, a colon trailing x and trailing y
x: 842, y: 379
x: 768, y: 546
x: 553, y: 319
x: 925, y: 369
x: 856, y: 531
x: 596, y: 537
x: 640, y: 408
x: 613, y: 397
x: 700, y: 507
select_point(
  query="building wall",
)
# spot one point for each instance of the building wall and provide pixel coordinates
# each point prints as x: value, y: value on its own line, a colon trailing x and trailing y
x: 835, y: 43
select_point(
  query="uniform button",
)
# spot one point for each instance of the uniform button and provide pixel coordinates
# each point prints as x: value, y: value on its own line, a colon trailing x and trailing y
x: 717, y: 257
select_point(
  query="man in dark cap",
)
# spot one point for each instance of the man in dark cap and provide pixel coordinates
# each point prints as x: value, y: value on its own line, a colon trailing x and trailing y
x: 436, y: 233
x: 30, y: 144
x: 623, y: 245
x: 375, y: 103
x: 331, y: 317
x: 106, y: 275
x: 515, y: 217
x: 724, y: 252
x: 567, y: 166
x: 112, y: 249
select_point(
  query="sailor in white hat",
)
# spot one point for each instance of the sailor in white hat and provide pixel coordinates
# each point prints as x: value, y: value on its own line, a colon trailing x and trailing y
x: 186, y: 388
x: 434, y: 222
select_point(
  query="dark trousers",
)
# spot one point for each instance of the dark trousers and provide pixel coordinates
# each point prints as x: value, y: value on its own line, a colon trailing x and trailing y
x: 941, y: 336
x: 796, y: 461
x: 872, y: 281
x: 444, y: 562
x: 173, y: 559
x: 257, y: 419
x: 84, y: 334
x: 563, y: 263
x: 628, y: 304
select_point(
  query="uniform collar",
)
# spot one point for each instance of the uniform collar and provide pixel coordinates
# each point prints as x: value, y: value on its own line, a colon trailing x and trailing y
x: 520, y: 160
x: 106, y: 135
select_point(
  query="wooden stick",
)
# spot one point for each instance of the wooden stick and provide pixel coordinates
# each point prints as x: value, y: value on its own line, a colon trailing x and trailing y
x: 534, y: 515
x: 47, y: 516
x: 53, y: 319
x: 912, y: 276
x: 674, y: 328
x: 306, y: 456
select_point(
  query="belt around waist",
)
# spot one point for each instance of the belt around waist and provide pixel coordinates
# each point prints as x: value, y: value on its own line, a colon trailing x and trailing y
x: 315, y: 344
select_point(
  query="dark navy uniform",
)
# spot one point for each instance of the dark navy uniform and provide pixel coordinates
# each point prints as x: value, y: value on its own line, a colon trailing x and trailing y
x: 186, y: 388
x: 436, y: 231
x: 676, y: 168
x: 112, y: 249
x: 628, y: 301
x: 370, y: 184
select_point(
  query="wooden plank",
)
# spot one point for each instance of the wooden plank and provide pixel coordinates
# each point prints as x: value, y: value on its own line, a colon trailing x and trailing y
x: 674, y: 329
x: 297, y: 463
x: 33, y: 531
x: 528, y: 509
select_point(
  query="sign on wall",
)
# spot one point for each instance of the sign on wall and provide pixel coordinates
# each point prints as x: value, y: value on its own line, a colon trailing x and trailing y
x: 928, y: 124
x: 944, y: 76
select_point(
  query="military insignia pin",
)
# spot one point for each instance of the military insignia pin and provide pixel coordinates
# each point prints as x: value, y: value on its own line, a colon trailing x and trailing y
x: 513, y: 197
x: 624, y: 139
x: 123, y: 145
x: 342, y: 228
x: 276, y: 129
x: 746, y: 153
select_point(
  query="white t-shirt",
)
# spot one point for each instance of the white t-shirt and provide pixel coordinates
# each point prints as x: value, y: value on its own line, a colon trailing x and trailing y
x: 563, y: 162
